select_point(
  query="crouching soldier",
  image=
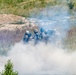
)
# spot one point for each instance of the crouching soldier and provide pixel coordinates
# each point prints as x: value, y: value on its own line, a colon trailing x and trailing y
x: 27, y: 36
x: 36, y: 36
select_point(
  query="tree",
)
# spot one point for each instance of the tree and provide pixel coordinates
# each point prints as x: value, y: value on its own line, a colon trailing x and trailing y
x: 9, y: 69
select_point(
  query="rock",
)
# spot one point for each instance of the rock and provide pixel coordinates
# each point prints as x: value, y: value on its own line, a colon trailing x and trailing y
x: 10, y: 18
x: 70, y: 41
x: 12, y: 29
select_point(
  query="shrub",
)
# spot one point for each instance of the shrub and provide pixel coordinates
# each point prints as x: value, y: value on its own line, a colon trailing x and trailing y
x: 9, y: 69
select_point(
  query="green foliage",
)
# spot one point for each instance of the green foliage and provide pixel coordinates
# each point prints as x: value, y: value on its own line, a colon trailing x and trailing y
x: 8, y: 1
x: 19, y: 1
x: 9, y: 69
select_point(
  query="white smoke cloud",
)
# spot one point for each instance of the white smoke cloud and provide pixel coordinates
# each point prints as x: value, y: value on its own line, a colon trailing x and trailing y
x: 41, y: 59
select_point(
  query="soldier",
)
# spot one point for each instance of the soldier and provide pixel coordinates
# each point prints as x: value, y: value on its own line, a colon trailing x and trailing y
x: 27, y: 36
x: 41, y: 33
x: 36, y: 36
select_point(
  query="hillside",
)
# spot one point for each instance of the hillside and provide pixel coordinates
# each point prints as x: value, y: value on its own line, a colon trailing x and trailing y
x: 70, y: 41
x: 23, y: 7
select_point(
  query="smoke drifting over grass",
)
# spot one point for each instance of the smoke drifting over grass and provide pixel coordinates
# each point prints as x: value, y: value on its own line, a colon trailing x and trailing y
x: 41, y: 59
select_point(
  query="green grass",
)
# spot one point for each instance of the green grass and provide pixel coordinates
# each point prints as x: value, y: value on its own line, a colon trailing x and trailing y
x: 23, y: 7
x: 26, y: 7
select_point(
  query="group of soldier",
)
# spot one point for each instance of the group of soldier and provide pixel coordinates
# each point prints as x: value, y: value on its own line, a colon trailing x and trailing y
x: 38, y: 35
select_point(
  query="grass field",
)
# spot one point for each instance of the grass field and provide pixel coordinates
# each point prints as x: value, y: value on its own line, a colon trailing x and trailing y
x: 23, y: 7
